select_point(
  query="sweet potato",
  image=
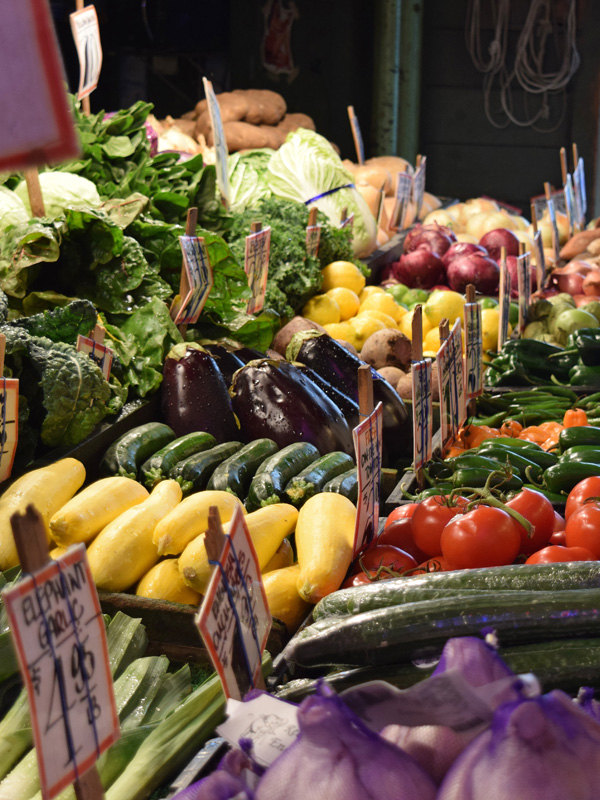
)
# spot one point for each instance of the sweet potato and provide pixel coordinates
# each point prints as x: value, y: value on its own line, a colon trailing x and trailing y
x: 578, y: 243
x: 391, y: 374
x: 275, y: 137
x: 387, y: 348
x: 295, y: 325
x: 241, y: 136
x: 292, y: 122
x: 264, y: 106
x: 193, y: 114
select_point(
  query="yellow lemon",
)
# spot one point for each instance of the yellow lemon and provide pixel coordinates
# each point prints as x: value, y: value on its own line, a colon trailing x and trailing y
x: 444, y: 304
x: 389, y: 322
x: 322, y: 309
x: 347, y: 300
x: 341, y: 330
x: 368, y: 291
x: 490, y: 322
x: 343, y: 273
x: 431, y: 342
x: 363, y: 327
x: 405, y: 324
x: 381, y: 301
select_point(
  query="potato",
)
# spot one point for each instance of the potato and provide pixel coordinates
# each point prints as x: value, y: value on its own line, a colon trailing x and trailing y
x: 404, y: 385
x: 391, y: 374
x: 376, y: 176
x: 393, y: 164
x: 292, y: 122
x: 193, y: 114
x: 578, y: 243
x: 295, y: 325
x: 241, y: 136
x: 201, y: 106
x: 387, y: 348
x: 264, y: 106
x: 275, y: 137
x: 349, y: 346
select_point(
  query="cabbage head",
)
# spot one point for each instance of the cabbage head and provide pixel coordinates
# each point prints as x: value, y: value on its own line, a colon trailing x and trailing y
x: 12, y: 209
x: 62, y: 190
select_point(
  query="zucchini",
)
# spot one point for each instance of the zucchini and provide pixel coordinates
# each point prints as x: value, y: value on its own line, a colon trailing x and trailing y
x: 158, y: 466
x: 193, y: 473
x: 312, y: 479
x: 346, y: 484
x: 235, y: 473
x: 532, y: 577
x: 269, y: 482
x: 126, y: 455
x: 420, y: 630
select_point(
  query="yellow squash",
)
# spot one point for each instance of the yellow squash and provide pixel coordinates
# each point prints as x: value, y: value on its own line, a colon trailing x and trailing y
x: 284, y: 557
x: 267, y: 526
x: 324, y: 543
x: 164, y: 582
x: 285, y: 603
x: 84, y: 516
x: 47, y: 488
x: 123, y: 551
x: 190, y: 519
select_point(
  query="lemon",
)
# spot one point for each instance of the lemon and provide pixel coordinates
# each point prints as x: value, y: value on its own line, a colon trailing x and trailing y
x: 343, y: 273
x: 347, y: 300
x: 444, y: 304
x: 405, y: 324
x: 381, y: 301
x: 341, y: 330
x: 390, y: 322
x: 368, y: 291
x: 363, y: 327
x: 431, y: 342
x: 490, y: 322
x: 322, y: 309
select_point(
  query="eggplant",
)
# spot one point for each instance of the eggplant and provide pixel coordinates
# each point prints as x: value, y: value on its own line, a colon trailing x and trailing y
x: 272, y: 400
x: 227, y: 361
x: 195, y: 396
x: 346, y: 404
x: 339, y: 367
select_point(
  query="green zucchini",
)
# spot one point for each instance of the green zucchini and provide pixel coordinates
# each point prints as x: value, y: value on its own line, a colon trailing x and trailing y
x: 418, y: 630
x: 268, y: 484
x: 346, y: 484
x: 532, y: 577
x: 235, y: 473
x: 158, y: 466
x: 126, y: 455
x: 193, y: 473
x: 312, y: 479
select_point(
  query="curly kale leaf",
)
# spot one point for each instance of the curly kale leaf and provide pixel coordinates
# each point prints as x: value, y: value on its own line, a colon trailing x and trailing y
x: 61, y: 324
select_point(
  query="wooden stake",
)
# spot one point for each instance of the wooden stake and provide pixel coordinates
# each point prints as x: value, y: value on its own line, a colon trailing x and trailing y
x: 533, y: 219
x: 563, y: 165
x: 417, y: 333
x: 521, y: 248
x: 444, y: 330
x: 255, y: 227
x: 418, y: 161
x: 214, y: 539
x: 34, y: 190
x: 365, y: 390
x: 470, y: 293
x: 312, y: 216
x: 575, y: 155
x: 2, y: 353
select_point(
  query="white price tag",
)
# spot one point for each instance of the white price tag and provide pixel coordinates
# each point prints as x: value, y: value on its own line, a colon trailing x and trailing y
x: 9, y: 424
x: 554, y: 226
x: 453, y: 406
x: 503, y: 303
x: 422, y: 412
x: 60, y: 638
x: 99, y: 353
x: 540, y: 261
x: 419, y: 186
x: 404, y: 190
x: 234, y: 618
x: 580, y: 188
x: 524, y: 287
x: 86, y: 33
x: 367, y: 447
x: 221, y: 151
x: 571, y: 204
x: 356, y: 135
x: 473, y: 350
x: 256, y: 266
x: 199, y: 276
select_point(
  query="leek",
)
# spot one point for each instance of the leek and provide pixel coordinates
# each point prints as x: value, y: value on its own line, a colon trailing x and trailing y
x: 23, y: 781
x: 16, y: 736
x: 127, y: 640
x: 174, y: 689
x: 144, y: 678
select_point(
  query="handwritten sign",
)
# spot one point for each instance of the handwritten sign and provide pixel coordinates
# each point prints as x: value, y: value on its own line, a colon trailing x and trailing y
x: 540, y: 260
x: 313, y: 237
x: 524, y: 287
x: 86, y: 33
x: 9, y: 424
x: 503, y: 303
x: 570, y: 203
x: 419, y: 186
x: 99, y: 353
x: 221, y: 151
x: 579, y: 180
x: 234, y: 618
x: 367, y: 446
x: 553, y: 227
x: 200, y: 279
x: 422, y: 412
x: 453, y: 406
x: 256, y: 266
x: 473, y: 350
x: 60, y: 638
x: 356, y: 135
x: 404, y: 190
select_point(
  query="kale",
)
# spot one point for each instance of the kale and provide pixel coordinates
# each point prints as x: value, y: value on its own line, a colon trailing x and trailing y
x: 61, y: 324
x: 3, y: 306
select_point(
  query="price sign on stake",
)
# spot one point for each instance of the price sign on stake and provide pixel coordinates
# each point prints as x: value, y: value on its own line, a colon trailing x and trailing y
x: 550, y: 202
x: 580, y: 189
x: 404, y: 189
x: 356, y: 135
x: 503, y: 300
x: 524, y: 286
x: 200, y: 279
x: 86, y: 33
x: 60, y: 638
x: 570, y: 203
x: 9, y: 417
x: 313, y: 233
x: 419, y: 184
x: 234, y: 618
x: 98, y: 352
x: 473, y: 350
x: 221, y: 151
x: 256, y: 265
x: 367, y: 448
x: 453, y: 407
x: 422, y: 412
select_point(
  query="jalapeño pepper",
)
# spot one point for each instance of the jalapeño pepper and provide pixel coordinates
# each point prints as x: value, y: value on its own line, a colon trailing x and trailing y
x: 585, y: 376
x: 563, y: 477
x: 587, y: 342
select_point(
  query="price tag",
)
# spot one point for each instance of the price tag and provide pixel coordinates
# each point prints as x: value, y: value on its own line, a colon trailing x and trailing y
x: 422, y: 412
x: 234, y: 618
x: 100, y: 353
x: 313, y: 237
x: 419, y: 186
x: 59, y: 633
x: 540, y: 260
x: 473, y: 350
x: 9, y: 430
x: 503, y: 303
x: 36, y: 126
x: 554, y: 227
x: 356, y: 135
x: 453, y: 406
x: 404, y: 189
x: 256, y: 265
x: 200, y: 279
x: 580, y: 190
x: 348, y: 222
x: 570, y: 203
x: 221, y: 151
x: 524, y: 286
x: 86, y: 33
x: 367, y: 447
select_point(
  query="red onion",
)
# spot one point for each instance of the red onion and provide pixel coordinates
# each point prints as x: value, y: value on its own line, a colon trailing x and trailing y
x: 477, y: 269
x: 570, y: 278
x: 436, y: 238
x: 419, y: 269
x: 462, y: 249
x: 387, y: 274
x: 494, y: 240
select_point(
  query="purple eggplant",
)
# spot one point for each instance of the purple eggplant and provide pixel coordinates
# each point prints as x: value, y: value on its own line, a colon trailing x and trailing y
x: 271, y: 400
x: 339, y: 367
x: 227, y: 361
x: 195, y: 396
x: 346, y: 404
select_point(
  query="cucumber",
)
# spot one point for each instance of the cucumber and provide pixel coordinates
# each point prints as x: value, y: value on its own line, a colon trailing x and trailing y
x: 125, y: 456
x: 268, y: 484
x: 538, y: 577
x: 235, y: 473
x: 158, y: 466
x: 312, y: 479
x: 193, y: 473
x: 346, y: 484
x: 419, y: 630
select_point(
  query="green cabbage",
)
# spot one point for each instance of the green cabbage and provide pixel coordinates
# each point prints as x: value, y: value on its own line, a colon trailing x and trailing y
x: 248, y: 178
x: 62, y: 190
x: 306, y: 166
x: 12, y: 209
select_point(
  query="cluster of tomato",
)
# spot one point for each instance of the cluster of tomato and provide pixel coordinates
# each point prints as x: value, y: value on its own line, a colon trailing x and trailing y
x: 441, y: 533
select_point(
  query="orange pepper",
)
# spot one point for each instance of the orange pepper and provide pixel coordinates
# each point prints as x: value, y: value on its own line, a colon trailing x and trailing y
x: 511, y: 427
x: 575, y: 418
x: 453, y: 450
x: 474, y: 435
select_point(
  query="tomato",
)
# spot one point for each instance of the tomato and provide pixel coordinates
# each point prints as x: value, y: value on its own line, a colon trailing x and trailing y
x: 483, y: 537
x: 400, y: 534
x: 538, y: 510
x: 588, y: 487
x: 361, y: 578
x: 433, y: 564
x: 583, y: 528
x: 407, y: 510
x: 555, y: 554
x: 383, y: 555
x: 558, y: 537
x: 429, y: 520
x: 559, y: 522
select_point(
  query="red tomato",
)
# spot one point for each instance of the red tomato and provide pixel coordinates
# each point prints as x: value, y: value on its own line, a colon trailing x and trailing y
x: 383, y: 555
x: 407, y: 510
x: 558, y: 537
x: 583, y: 528
x: 588, y: 487
x: 430, y: 518
x: 538, y: 510
x: 555, y: 554
x: 559, y: 522
x: 400, y: 534
x: 363, y: 578
x: 434, y: 564
x: 483, y: 537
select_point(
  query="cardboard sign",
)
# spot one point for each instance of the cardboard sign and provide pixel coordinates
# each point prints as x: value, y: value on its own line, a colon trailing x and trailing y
x: 234, y: 618
x: 554, y: 227
x: 36, y: 126
x: 356, y: 135
x: 473, y: 350
x: 579, y: 180
x: 200, y: 279
x: 524, y: 287
x: 503, y: 303
x: 9, y: 424
x: 419, y: 186
x: 422, y: 412
x: 367, y: 447
x: 86, y: 33
x: 256, y: 266
x: 540, y: 260
x: 221, y: 151
x: 570, y: 203
x: 313, y: 237
x: 453, y: 405
x: 60, y: 638
x: 404, y: 190
x: 100, y: 353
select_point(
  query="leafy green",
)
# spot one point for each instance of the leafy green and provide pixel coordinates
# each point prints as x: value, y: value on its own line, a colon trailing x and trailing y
x: 61, y: 190
x: 248, y: 178
x: 12, y: 209
x: 61, y: 324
